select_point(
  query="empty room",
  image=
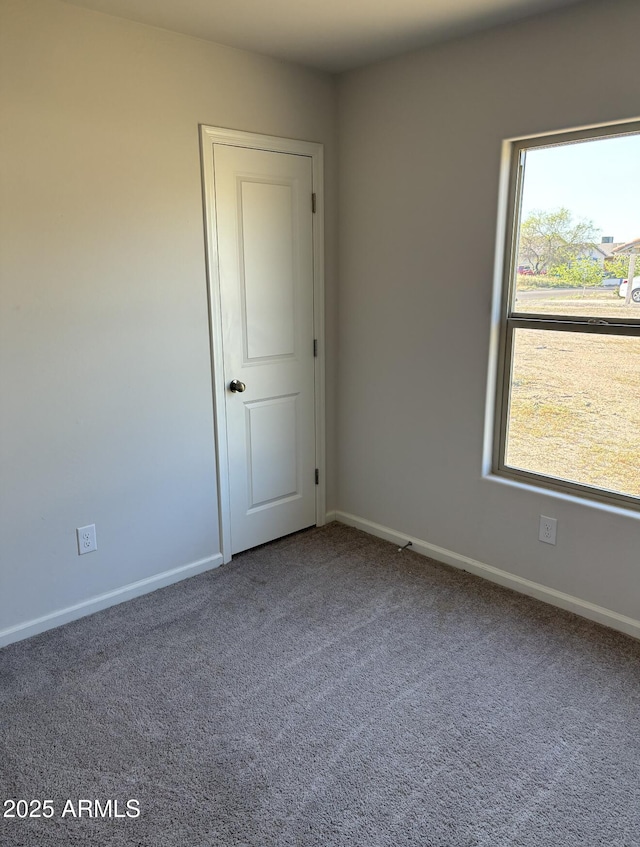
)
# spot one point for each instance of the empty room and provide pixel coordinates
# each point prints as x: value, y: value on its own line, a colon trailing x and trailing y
x: 319, y: 423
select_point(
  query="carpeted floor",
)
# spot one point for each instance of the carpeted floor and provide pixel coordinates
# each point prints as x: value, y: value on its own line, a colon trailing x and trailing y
x: 326, y: 690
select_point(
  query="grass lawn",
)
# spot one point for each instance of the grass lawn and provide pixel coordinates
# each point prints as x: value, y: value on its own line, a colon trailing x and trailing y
x: 595, y: 303
x: 573, y: 422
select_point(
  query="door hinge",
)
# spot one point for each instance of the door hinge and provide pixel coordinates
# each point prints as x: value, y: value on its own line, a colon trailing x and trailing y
x: 315, y: 347
x: 313, y: 203
x: 317, y: 477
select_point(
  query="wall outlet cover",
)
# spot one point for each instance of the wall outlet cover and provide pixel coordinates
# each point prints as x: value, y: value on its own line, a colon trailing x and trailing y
x: 87, y: 541
x: 548, y: 529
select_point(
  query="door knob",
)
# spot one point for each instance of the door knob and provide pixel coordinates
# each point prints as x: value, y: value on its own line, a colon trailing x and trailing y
x: 236, y: 386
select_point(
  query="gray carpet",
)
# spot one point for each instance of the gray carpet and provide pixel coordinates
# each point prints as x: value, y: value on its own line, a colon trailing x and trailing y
x: 327, y: 690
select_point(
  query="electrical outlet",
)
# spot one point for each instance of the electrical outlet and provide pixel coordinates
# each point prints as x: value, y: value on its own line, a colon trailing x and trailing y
x: 86, y: 539
x: 548, y: 529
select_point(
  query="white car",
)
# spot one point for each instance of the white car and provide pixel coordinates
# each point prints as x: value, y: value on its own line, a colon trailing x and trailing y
x: 635, y: 289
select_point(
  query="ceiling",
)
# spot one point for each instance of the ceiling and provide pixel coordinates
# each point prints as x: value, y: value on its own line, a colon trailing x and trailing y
x: 333, y: 35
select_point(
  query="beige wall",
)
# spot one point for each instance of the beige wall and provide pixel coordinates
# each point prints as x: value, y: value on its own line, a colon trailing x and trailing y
x: 105, y: 392
x: 419, y: 170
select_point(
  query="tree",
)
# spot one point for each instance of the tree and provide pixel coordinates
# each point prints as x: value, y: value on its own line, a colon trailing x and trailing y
x: 552, y: 239
x: 580, y: 273
x: 618, y: 266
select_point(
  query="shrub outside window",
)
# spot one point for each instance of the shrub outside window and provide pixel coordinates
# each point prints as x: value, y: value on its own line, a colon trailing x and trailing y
x: 568, y: 404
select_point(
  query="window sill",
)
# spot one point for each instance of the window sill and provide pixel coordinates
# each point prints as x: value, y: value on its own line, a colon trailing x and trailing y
x: 579, y: 500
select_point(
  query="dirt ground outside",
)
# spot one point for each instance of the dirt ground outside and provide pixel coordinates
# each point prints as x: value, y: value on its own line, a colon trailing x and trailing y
x: 570, y: 421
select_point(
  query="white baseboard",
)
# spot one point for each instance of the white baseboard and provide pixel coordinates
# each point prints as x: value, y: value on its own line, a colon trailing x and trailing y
x: 622, y: 623
x: 331, y: 516
x: 103, y: 601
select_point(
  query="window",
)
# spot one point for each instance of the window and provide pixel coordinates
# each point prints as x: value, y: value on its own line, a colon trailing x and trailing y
x: 568, y: 405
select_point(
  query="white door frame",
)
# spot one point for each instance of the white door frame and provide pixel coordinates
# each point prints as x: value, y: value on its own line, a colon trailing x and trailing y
x: 217, y: 135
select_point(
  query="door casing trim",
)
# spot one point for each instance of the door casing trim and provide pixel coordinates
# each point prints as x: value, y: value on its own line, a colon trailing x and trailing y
x: 209, y: 136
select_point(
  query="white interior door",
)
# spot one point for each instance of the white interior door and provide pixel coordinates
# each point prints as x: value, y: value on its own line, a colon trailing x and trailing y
x: 265, y: 256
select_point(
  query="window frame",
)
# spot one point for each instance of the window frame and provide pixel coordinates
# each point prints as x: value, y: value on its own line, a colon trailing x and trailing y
x: 511, y: 320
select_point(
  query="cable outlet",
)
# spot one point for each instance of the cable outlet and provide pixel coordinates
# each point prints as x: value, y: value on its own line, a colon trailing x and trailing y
x: 86, y: 539
x: 548, y: 529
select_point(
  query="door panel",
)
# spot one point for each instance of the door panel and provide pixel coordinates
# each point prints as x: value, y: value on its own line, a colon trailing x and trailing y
x: 265, y: 253
x: 269, y: 269
x: 273, y: 461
